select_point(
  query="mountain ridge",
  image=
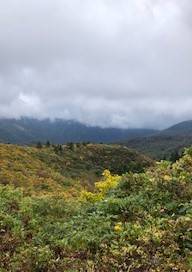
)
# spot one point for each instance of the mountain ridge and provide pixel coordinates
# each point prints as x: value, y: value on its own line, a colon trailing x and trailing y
x: 30, y: 131
x: 164, y: 144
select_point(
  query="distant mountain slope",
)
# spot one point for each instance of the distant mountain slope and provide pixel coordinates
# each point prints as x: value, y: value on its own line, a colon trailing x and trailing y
x: 180, y: 129
x: 165, y: 143
x: 28, y: 131
x: 54, y: 168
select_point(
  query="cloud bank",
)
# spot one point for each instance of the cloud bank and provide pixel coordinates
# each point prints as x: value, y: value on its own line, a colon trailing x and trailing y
x: 104, y: 62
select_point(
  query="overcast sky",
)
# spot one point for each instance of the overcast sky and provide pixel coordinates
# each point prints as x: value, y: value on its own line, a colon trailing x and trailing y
x: 125, y: 63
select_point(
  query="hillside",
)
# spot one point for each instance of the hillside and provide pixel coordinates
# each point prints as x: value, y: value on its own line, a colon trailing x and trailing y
x: 160, y: 147
x: 50, y: 168
x: 21, y: 167
x: 135, y: 222
x: 30, y: 131
x: 180, y: 129
x: 166, y: 143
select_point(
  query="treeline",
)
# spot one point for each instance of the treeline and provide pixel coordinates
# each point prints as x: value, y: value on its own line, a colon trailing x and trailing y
x: 60, y: 147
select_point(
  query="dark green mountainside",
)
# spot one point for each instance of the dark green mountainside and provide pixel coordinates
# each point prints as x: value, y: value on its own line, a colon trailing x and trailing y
x: 180, y: 129
x: 29, y: 131
x: 166, y: 144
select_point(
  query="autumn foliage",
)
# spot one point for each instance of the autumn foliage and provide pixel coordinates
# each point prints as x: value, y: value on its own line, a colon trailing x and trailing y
x: 133, y: 222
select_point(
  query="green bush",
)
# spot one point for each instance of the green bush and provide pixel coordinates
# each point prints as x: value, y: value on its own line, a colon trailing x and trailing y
x: 142, y: 222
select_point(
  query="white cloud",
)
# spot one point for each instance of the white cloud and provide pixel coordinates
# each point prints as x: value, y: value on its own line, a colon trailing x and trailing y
x: 105, y: 62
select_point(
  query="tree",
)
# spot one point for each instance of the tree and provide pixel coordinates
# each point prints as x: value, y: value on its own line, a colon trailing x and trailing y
x: 58, y: 149
x: 39, y: 145
x: 71, y: 146
x: 174, y: 156
x: 48, y: 144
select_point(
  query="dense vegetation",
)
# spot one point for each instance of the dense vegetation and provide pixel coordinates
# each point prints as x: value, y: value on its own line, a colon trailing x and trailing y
x: 160, y: 147
x: 135, y: 222
x: 58, y: 131
x: 49, y: 167
x: 167, y: 144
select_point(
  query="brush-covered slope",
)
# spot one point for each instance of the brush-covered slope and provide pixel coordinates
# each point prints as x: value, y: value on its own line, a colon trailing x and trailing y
x: 28, y: 131
x: 22, y: 167
x: 135, y: 222
x: 48, y: 168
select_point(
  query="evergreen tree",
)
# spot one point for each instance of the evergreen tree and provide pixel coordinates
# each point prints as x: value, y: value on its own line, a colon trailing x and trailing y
x: 71, y: 146
x: 174, y: 156
x: 48, y: 144
x: 39, y: 145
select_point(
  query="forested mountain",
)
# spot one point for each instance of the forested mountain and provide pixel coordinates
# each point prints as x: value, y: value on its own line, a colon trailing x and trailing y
x: 166, y: 144
x: 180, y: 129
x: 29, y: 131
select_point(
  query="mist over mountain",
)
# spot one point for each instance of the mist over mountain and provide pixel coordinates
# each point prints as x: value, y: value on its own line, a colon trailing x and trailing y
x: 93, y: 95
x: 118, y: 63
x: 58, y: 131
x: 157, y: 144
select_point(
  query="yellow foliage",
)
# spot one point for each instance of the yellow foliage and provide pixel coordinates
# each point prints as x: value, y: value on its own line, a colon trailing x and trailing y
x: 91, y: 197
x: 20, y: 167
x: 101, y: 187
x: 109, y: 182
x: 167, y: 178
x: 118, y: 227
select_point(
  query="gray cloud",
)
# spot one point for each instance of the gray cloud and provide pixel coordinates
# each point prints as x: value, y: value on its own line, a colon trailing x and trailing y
x: 105, y: 62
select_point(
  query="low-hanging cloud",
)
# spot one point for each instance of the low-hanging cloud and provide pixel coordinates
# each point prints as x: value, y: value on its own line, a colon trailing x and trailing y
x: 105, y: 62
